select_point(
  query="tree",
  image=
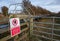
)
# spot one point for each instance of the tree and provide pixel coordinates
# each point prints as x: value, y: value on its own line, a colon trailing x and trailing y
x: 5, y: 10
x: 25, y: 6
x: 34, y: 10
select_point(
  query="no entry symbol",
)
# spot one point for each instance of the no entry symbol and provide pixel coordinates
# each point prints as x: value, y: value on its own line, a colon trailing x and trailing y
x: 14, y: 22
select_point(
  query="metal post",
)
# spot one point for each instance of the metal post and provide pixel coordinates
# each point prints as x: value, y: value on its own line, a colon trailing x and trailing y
x: 53, y: 28
x: 31, y: 27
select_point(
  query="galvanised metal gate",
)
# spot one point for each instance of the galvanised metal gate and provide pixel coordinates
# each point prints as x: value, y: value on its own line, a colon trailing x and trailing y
x: 5, y: 31
x: 46, y: 29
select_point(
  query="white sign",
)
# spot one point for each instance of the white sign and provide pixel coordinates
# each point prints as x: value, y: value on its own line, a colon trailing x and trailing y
x: 14, y: 26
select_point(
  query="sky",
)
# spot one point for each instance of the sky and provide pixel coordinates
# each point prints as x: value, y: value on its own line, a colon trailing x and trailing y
x: 51, y: 5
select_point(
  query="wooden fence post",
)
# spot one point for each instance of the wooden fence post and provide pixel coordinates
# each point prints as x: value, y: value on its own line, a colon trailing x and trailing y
x: 31, y: 25
x: 15, y: 38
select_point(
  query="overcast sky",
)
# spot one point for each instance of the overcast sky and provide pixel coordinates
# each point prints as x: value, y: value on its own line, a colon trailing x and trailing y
x: 52, y: 5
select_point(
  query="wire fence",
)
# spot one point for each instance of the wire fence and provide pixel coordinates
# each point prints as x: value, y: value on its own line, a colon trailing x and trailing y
x: 47, y: 28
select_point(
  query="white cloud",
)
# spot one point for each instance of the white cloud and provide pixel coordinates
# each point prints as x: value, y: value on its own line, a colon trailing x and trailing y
x: 3, y: 4
x: 55, y: 2
x: 53, y: 8
x: 52, y: 5
x: 8, y: 2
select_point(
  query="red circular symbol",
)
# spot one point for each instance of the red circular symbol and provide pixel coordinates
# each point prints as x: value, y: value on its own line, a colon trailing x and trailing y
x: 14, y: 22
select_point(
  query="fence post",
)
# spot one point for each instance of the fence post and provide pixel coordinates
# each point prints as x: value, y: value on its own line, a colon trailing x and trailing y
x: 53, y: 27
x: 31, y: 25
x: 15, y: 38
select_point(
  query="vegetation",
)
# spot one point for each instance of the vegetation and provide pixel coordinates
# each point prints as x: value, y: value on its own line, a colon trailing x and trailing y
x: 5, y: 10
x: 34, y: 10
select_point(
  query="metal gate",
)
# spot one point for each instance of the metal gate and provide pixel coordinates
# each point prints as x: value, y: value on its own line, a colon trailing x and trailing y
x: 46, y: 29
x: 23, y: 36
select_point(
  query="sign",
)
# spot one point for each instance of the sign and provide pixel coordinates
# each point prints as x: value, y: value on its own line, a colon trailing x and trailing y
x: 14, y: 26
